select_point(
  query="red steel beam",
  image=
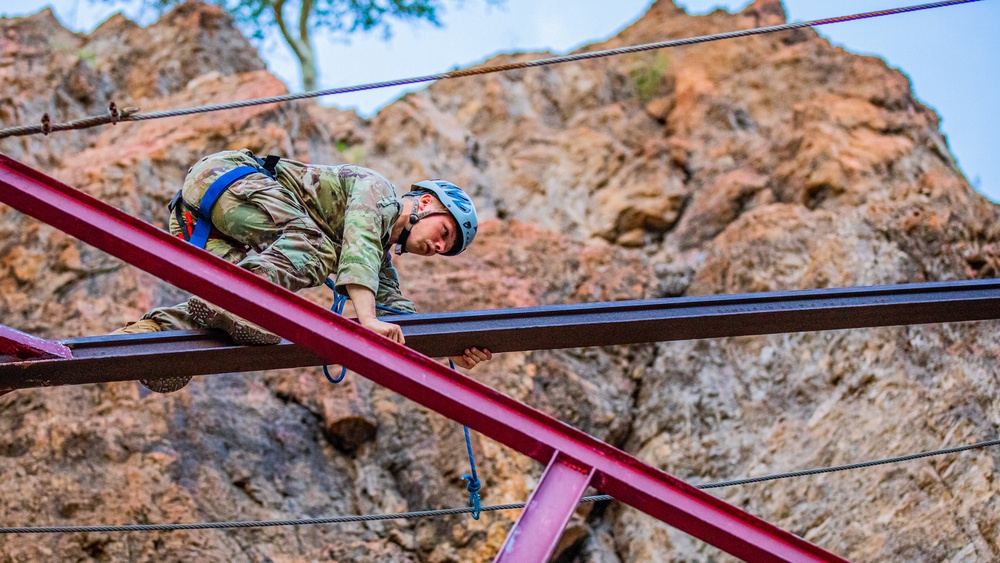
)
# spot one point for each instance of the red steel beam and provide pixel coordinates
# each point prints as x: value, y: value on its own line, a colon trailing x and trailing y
x: 23, y: 346
x: 398, y: 368
x: 536, y: 533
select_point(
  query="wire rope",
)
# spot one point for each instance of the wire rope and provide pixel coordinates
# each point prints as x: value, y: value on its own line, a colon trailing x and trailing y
x: 134, y: 114
x: 464, y: 510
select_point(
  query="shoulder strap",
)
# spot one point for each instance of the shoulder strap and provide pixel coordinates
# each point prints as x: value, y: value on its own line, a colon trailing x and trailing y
x: 203, y: 226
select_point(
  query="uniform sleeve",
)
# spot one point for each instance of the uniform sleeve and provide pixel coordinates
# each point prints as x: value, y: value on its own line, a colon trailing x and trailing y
x: 361, y: 253
x: 388, y: 294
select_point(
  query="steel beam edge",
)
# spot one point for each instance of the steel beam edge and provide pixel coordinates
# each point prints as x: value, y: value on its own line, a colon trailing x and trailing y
x: 23, y: 346
x: 396, y: 367
x: 154, y: 355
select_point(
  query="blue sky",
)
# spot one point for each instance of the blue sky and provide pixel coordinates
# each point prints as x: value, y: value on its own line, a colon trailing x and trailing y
x: 950, y: 54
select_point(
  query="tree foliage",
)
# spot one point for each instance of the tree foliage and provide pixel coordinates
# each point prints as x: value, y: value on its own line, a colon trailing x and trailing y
x: 296, y: 20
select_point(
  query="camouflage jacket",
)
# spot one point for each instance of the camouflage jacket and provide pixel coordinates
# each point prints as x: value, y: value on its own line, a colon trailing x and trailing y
x: 355, y: 208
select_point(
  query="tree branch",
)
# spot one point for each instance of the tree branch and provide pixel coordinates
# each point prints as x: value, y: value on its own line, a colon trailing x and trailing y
x: 304, y: 13
x: 279, y: 17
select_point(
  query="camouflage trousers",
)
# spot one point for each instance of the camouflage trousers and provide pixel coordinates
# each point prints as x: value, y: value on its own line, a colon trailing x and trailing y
x: 259, y: 214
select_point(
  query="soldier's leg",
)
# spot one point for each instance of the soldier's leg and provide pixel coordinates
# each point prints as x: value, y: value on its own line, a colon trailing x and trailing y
x: 292, y: 251
x: 161, y: 385
x: 177, y: 317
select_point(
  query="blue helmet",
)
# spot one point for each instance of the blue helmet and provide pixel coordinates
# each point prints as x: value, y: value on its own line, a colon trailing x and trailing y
x: 459, y: 205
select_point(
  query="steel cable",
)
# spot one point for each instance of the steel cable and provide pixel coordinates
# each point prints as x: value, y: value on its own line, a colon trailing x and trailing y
x: 133, y: 114
x: 837, y: 468
x: 464, y: 510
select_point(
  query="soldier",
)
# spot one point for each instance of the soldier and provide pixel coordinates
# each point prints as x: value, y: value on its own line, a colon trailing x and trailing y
x: 303, y: 223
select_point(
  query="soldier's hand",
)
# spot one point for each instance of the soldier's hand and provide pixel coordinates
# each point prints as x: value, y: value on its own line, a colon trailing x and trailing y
x: 471, y: 357
x: 388, y: 330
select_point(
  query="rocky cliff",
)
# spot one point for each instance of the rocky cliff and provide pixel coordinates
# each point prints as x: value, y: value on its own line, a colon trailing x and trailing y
x: 767, y: 163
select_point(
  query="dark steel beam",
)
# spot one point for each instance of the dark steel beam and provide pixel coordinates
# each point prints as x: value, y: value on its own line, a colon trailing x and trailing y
x: 714, y: 316
x: 148, y: 356
x: 399, y: 369
x: 128, y: 357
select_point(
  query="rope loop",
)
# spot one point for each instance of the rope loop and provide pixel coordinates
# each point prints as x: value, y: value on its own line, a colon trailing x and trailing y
x: 475, y: 501
x: 338, y: 307
x: 332, y: 379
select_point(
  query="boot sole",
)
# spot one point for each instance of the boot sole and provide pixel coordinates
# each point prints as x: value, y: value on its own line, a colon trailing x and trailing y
x: 166, y: 385
x: 240, y: 331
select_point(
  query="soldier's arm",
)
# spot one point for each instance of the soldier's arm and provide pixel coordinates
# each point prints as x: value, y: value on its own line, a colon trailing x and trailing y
x: 361, y: 252
x: 364, y: 305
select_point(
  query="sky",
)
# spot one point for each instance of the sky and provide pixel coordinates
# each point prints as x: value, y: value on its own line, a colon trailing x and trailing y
x: 950, y: 54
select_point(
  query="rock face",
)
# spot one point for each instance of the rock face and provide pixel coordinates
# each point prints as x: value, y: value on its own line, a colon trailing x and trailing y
x: 766, y: 163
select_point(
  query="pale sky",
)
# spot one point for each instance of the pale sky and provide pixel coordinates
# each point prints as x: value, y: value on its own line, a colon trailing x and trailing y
x: 950, y: 54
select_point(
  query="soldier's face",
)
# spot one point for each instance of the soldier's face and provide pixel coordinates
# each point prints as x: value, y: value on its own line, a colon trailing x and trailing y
x: 432, y: 235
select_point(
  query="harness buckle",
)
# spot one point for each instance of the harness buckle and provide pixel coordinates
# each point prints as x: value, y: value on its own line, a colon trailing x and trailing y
x: 267, y: 165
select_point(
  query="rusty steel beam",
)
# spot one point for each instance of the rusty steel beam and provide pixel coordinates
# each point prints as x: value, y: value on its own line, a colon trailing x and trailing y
x: 399, y: 369
x: 715, y: 316
x: 155, y: 355
x: 149, y: 356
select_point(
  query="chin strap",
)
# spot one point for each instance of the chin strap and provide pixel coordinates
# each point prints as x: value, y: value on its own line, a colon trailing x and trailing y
x: 403, y: 236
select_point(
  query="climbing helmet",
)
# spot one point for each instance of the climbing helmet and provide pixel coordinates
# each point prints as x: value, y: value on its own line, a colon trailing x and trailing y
x: 458, y: 204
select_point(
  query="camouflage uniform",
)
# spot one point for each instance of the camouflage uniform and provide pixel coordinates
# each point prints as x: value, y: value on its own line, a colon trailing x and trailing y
x: 308, y: 223
x: 313, y: 221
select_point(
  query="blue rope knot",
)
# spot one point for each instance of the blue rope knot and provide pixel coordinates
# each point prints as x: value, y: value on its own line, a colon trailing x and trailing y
x: 474, y: 484
x: 475, y: 501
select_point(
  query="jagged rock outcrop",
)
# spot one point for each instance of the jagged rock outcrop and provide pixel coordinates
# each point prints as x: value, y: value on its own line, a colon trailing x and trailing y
x: 767, y: 163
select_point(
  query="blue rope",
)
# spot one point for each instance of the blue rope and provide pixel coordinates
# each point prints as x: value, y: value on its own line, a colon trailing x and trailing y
x: 391, y: 310
x: 474, y: 484
x: 338, y: 307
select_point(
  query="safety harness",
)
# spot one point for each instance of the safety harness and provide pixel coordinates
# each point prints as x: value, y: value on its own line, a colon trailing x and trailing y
x: 196, y: 222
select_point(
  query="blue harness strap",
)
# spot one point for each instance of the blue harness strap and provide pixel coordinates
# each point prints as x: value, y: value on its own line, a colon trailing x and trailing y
x: 203, y: 225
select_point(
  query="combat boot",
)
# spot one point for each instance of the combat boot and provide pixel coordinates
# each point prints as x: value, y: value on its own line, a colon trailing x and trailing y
x: 159, y: 385
x: 240, y: 330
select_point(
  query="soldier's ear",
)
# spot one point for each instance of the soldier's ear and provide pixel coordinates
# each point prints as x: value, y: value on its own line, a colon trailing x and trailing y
x: 424, y: 201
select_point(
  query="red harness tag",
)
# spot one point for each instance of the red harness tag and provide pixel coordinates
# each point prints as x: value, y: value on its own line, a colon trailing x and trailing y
x: 189, y: 223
